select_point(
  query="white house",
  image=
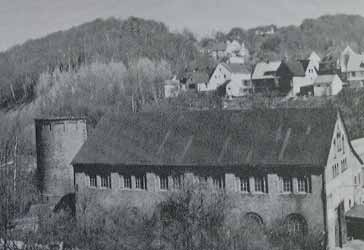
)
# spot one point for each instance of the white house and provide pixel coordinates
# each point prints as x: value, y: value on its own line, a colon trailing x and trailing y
x: 240, y: 83
x: 355, y: 70
x: 327, y: 85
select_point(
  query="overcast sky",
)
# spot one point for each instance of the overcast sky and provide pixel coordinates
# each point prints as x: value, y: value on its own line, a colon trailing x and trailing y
x: 24, y: 19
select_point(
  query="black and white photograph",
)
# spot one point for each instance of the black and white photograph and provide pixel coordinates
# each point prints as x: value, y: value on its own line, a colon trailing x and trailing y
x: 181, y: 125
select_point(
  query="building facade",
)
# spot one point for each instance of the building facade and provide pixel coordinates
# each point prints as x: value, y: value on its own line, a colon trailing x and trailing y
x: 291, y: 165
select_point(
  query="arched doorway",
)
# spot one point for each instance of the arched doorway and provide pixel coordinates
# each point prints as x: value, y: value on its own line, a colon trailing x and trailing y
x: 296, y: 224
x: 253, y: 220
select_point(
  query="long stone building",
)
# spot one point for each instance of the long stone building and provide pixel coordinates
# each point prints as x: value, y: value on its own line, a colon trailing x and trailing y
x: 297, y: 165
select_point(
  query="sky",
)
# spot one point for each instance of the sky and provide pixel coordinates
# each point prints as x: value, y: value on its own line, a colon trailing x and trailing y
x: 21, y: 20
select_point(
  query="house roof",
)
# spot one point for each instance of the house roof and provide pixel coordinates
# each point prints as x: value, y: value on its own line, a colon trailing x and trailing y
x: 275, y: 137
x: 358, y: 146
x: 236, y: 68
x: 295, y: 68
x: 329, y: 78
x: 262, y: 68
x: 355, y: 63
x: 197, y: 77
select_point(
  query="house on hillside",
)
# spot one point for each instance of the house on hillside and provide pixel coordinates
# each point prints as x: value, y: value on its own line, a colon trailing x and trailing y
x: 327, y: 85
x: 355, y: 70
x: 300, y: 84
x: 291, y: 165
x: 233, y: 80
x: 172, y: 88
x: 218, y: 50
x: 264, y: 77
x: 344, y: 60
x: 193, y: 81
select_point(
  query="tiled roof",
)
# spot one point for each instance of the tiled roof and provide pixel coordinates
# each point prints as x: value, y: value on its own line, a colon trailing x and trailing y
x: 236, y: 68
x: 261, y: 69
x: 275, y: 137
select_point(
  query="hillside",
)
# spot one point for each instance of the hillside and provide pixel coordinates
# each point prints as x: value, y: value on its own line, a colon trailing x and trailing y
x: 325, y: 33
x: 98, y: 41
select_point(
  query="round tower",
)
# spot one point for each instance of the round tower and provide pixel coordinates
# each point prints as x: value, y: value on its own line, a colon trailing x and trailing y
x: 57, y: 141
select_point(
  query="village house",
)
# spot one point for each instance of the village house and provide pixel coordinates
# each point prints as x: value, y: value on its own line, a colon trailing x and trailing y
x: 354, y: 70
x: 218, y: 50
x: 293, y: 165
x: 264, y: 77
x: 233, y: 78
x: 300, y: 84
x: 327, y: 85
x: 193, y: 81
x: 172, y: 88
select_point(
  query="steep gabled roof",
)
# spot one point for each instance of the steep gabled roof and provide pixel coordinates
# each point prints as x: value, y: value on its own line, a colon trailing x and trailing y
x: 275, y: 137
x: 236, y: 68
x: 262, y: 68
x: 295, y: 68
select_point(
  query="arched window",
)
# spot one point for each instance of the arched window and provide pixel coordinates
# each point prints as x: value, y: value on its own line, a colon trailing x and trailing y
x: 296, y: 224
x: 253, y: 219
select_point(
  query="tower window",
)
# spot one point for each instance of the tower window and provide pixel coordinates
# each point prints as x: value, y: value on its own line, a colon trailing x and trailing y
x: 127, y: 181
x: 304, y: 184
x: 287, y: 184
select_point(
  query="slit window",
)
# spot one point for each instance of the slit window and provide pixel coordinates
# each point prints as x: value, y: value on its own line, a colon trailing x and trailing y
x: 286, y: 184
x: 177, y: 181
x: 127, y: 182
x: 304, y: 184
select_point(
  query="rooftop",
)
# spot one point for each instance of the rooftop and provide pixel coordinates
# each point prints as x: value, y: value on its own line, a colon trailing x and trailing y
x: 263, y: 67
x: 278, y: 137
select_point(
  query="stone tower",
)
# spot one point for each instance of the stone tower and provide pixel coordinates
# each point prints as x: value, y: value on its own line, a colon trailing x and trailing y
x: 57, y: 141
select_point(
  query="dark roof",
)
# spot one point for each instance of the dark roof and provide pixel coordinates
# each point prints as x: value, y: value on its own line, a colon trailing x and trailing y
x: 276, y: 137
x: 295, y: 68
x: 305, y: 63
x: 197, y: 77
x: 236, y: 68
x: 356, y: 212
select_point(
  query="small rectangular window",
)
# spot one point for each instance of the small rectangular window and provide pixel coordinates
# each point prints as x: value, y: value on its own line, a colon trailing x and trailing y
x: 177, y: 181
x: 304, y: 184
x: 127, y: 181
x: 219, y: 181
x: 287, y: 184
x: 244, y: 184
x: 106, y: 181
x: 93, y: 180
x: 260, y: 184
x: 163, y: 179
x: 141, y: 182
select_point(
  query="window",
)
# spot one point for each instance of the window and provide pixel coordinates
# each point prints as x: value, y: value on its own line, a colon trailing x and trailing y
x: 304, y: 184
x: 106, y: 181
x: 219, y: 181
x: 127, y: 181
x: 260, y: 184
x: 354, y: 180
x: 203, y: 179
x: 244, y: 184
x: 335, y: 170
x: 141, y: 182
x: 344, y: 165
x: 163, y: 179
x: 339, y: 140
x: 353, y: 74
x: 296, y: 224
x: 343, y: 143
x: 177, y: 181
x: 287, y: 184
x: 93, y: 180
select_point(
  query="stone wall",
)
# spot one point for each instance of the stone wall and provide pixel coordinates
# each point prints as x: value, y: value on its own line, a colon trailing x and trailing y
x: 271, y: 207
x: 57, y: 142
